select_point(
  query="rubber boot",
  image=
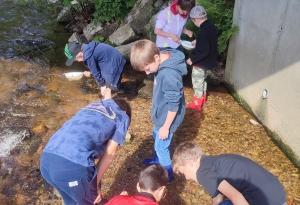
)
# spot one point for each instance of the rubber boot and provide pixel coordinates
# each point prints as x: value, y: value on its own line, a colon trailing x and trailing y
x: 170, y: 173
x: 204, y: 100
x: 153, y: 160
x: 197, y: 103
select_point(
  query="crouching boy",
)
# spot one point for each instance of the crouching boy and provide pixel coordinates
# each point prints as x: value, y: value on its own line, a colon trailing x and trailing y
x: 151, y: 187
x: 238, y: 178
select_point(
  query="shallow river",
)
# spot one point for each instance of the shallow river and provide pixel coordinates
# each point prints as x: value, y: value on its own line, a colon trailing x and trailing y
x: 35, y: 96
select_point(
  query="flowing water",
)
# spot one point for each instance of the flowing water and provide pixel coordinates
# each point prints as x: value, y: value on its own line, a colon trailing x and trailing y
x: 35, y: 97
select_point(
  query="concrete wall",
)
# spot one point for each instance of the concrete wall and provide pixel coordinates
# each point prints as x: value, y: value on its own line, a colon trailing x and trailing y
x: 265, y: 54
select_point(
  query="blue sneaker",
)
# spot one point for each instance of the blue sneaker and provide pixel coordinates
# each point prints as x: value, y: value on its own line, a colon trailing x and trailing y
x: 170, y: 173
x: 153, y: 160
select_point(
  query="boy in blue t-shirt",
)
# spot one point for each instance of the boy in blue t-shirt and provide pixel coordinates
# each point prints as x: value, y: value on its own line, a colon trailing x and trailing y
x: 168, y: 103
x: 94, y: 132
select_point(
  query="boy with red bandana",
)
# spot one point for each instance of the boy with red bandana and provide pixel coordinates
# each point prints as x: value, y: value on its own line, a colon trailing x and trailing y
x: 170, y: 24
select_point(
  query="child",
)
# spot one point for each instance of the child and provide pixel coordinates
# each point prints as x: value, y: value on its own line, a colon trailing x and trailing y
x: 94, y: 132
x: 204, y: 57
x: 104, y: 62
x: 151, y: 187
x: 168, y: 104
x: 170, y: 24
x: 238, y: 178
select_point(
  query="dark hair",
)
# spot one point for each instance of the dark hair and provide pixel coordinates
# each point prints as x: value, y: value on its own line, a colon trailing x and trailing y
x: 124, y: 105
x: 153, y: 177
x: 186, y: 5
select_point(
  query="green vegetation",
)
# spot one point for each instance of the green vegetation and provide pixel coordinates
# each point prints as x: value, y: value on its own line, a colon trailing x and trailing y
x: 92, y: 11
x: 99, y: 39
x: 107, y: 10
x: 220, y: 12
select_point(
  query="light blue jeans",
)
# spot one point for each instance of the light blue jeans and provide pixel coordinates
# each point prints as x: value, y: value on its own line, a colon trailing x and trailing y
x: 162, y: 148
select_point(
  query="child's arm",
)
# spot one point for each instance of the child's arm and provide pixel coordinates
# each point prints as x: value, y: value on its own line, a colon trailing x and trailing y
x: 187, y: 32
x: 104, y: 163
x: 160, y: 32
x: 106, y: 93
x: 92, y: 65
x: 163, y: 132
x: 232, y: 193
x: 218, y: 199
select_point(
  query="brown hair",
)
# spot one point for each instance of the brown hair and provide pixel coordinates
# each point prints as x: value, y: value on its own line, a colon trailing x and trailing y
x: 124, y: 105
x: 142, y: 54
x: 185, y: 151
x: 186, y: 5
x: 153, y: 177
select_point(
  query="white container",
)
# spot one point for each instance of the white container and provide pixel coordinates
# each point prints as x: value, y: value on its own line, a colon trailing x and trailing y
x: 187, y: 45
x: 74, y: 75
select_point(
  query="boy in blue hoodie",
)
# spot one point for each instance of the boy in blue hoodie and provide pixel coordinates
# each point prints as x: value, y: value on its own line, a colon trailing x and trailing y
x: 168, y: 103
x: 104, y: 62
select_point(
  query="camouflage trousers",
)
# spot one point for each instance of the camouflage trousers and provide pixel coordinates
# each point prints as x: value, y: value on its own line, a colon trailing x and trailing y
x: 198, y: 80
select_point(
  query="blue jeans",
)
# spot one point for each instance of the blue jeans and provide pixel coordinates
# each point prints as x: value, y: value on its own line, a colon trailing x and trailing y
x: 162, y: 148
x: 75, y: 183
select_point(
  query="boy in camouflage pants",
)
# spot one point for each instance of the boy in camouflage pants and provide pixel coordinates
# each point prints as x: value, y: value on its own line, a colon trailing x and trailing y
x: 204, y: 57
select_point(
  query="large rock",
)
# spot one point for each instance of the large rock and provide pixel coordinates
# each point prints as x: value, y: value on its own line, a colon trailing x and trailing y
x: 124, y: 34
x: 99, y: 29
x: 125, y: 50
x: 78, y: 37
x: 149, y: 28
x: 141, y: 13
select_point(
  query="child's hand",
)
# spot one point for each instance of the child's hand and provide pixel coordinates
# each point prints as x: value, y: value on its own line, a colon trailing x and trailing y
x: 194, y: 42
x: 87, y: 73
x: 190, y: 33
x: 189, y: 62
x: 99, y: 197
x: 175, y: 38
x: 163, y: 133
x: 124, y: 193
